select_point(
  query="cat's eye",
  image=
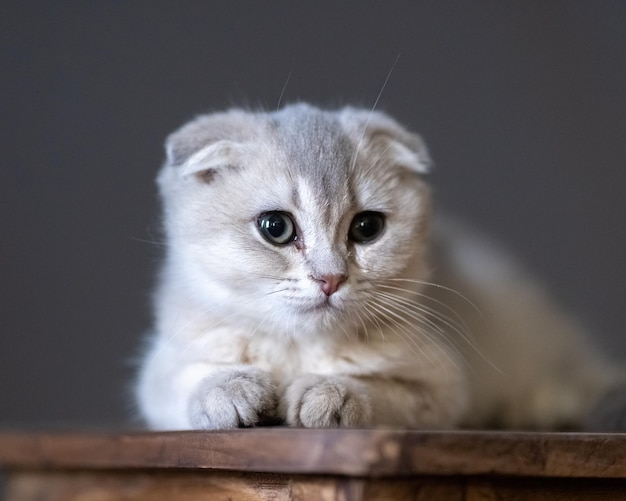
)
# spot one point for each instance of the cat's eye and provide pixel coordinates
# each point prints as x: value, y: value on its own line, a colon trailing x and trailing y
x: 366, y: 227
x: 277, y: 227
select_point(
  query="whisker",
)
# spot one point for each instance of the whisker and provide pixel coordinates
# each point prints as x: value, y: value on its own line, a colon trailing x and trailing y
x: 359, y: 317
x: 405, y: 311
x: 375, y: 164
x: 282, y: 92
x: 438, y: 286
x: 367, y: 122
x: 409, y: 331
x: 371, y: 318
x: 176, y: 333
x: 151, y: 242
x: 460, y: 326
x: 424, y: 296
x: 461, y: 329
x: 416, y: 316
x: 291, y: 326
x: 346, y: 332
x: 291, y: 335
x: 392, y: 317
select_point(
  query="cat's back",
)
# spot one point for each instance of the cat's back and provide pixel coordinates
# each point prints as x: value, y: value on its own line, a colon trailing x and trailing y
x: 531, y: 364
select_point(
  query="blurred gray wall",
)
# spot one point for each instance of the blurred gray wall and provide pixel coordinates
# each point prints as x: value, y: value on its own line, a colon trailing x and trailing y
x: 523, y: 105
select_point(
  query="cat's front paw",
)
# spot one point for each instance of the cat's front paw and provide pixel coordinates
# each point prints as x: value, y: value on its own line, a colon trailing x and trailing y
x: 232, y: 398
x: 313, y: 401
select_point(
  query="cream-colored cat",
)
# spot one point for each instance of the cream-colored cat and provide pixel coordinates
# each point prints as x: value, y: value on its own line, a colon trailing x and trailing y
x: 301, y: 285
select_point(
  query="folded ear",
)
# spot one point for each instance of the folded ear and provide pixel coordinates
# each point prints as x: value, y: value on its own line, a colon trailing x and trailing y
x: 381, y: 133
x: 208, y: 160
x: 208, y: 142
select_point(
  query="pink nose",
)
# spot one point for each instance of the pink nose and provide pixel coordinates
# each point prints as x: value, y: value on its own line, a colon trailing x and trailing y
x: 330, y: 283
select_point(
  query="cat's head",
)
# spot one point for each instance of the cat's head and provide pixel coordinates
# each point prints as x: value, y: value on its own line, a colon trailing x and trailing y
x: 297, y: 219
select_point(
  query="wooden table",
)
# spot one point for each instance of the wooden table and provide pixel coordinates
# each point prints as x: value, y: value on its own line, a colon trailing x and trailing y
x: 292, y: 464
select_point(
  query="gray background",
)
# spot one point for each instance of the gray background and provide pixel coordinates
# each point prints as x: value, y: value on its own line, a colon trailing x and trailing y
x: 523, y: 105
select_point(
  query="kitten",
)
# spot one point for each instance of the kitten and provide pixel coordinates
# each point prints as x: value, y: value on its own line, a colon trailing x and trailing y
x: 302, y: 285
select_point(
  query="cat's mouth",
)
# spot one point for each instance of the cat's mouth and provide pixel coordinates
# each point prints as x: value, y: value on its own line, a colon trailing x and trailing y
x: 323, y: 305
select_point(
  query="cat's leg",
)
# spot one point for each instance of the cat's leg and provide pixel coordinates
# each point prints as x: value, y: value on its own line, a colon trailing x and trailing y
x: 200, y: 395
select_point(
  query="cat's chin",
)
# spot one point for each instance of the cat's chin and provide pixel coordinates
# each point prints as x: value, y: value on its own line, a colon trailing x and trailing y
x: 321, y: 306
x: 317, y: 308
x: 321, y: 315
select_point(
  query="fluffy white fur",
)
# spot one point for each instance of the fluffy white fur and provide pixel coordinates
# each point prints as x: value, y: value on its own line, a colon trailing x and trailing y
x: 244, y: 332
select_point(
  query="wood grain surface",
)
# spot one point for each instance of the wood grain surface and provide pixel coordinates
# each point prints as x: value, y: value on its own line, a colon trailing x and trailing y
x: 365, y: 453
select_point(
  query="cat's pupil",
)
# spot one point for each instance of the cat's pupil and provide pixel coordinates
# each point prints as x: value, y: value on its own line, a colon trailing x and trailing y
x: 277, y: 227
x: 366, y: 227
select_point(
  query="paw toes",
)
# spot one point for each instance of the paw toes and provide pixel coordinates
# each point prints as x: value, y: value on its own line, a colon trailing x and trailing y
x: 326, y: 403
x: 232, y: 399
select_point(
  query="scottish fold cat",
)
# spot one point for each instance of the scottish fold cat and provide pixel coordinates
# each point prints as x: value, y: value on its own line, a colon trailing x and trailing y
x: 306, y: 282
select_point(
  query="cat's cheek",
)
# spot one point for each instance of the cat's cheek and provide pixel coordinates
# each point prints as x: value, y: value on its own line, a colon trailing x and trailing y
x: 381, y: 263
x: 232, y: 398
x: 314, y: 401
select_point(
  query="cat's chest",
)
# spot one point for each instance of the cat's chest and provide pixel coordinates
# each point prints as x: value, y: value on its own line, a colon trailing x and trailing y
x: 322, y: 353
x: 291, y: 358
